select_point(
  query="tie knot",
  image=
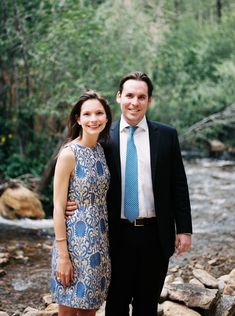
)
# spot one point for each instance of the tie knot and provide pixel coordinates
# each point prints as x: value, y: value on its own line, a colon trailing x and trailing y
x: 132, y: 129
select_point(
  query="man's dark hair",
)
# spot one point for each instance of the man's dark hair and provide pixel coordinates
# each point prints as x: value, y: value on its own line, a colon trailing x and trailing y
x: 140, y: 76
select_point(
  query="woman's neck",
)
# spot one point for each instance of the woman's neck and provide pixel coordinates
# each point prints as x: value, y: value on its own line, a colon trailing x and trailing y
x: 87, y: 141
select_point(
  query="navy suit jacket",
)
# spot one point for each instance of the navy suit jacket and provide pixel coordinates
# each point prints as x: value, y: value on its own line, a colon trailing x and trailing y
x: 170, y: 189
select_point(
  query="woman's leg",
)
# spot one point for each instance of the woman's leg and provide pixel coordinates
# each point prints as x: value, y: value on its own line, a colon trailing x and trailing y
x: 69, y: 311
x: 86, y: 312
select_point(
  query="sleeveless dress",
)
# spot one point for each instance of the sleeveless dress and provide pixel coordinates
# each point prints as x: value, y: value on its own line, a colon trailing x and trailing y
x: 87, y: 232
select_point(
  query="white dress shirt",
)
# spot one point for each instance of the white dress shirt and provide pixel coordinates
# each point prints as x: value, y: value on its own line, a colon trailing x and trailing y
x: 145, y: 187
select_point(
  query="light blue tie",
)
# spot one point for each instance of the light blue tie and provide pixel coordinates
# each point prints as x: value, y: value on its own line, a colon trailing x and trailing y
x: 131, y: 203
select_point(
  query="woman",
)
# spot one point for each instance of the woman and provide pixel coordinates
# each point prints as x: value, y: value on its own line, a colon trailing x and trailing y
x: 80, y: 260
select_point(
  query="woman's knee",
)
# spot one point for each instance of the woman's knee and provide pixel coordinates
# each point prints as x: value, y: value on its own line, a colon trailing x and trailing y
x: 86, y: 312
x: 67, y: 311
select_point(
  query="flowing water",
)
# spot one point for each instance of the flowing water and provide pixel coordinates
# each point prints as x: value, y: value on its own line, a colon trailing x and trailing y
x: 24, y: 279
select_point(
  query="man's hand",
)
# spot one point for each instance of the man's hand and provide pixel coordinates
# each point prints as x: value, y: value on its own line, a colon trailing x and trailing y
x: 71, y: 206
x: 183, y: 243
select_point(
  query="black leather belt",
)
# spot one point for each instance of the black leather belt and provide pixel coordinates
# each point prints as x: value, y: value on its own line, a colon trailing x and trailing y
x: 139, y: 222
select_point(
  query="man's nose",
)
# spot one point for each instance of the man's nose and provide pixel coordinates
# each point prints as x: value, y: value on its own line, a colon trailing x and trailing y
x: 135, y: 101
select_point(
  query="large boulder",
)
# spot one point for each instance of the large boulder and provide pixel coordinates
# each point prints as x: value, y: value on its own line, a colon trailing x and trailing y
x: 17, y: 201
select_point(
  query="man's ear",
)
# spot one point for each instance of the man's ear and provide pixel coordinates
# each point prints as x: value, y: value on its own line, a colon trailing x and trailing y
x: 118, y: 97
x: 150, y: 101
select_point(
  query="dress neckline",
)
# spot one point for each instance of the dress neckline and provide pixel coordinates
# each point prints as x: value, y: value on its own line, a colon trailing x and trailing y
x: 82, y: 146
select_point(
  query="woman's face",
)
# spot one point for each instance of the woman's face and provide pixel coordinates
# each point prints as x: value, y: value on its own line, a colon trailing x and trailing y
x: 92, y: 118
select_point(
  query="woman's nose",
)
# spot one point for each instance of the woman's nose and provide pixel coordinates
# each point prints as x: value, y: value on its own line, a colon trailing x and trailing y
x: 93, y: 117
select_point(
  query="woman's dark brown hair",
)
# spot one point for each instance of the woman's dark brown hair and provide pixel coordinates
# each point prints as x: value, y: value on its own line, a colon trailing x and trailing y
x: 75, y: 130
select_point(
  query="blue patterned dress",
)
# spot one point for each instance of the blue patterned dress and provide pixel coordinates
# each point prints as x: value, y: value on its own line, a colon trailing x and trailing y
x: 87, y: 232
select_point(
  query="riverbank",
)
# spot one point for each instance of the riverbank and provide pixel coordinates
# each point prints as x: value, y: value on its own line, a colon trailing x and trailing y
x: 27, y: 271
x: 27, y: 244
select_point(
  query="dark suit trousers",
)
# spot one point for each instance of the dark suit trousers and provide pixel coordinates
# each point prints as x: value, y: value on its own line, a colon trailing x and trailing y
x: 138, y: 272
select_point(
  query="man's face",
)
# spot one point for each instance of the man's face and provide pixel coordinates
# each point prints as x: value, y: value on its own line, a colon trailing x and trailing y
x: 134, y: 100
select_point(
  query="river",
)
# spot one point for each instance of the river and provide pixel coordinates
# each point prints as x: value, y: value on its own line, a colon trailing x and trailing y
x: 24, y: 279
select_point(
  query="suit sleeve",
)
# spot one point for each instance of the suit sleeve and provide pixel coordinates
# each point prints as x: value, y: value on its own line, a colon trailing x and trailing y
x: 180, y: 192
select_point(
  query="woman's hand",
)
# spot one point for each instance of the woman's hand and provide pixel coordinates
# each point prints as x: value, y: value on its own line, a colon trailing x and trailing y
x: 64, y: 271
x: 71, y: 206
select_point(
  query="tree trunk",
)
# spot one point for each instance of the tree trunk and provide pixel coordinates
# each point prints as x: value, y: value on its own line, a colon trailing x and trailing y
x: 225, y: 117
x: 219, y: 9
x: 177, y: 7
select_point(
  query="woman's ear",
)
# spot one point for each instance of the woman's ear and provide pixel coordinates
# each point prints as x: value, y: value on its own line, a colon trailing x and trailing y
x: 78, y: 119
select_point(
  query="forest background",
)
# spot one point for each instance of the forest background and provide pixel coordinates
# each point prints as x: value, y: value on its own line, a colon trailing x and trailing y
x: 51, y: 51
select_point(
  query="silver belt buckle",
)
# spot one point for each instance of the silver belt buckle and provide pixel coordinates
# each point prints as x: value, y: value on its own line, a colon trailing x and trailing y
x: 137, y: 225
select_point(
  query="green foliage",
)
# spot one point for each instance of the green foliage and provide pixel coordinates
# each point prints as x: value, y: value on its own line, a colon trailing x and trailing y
x: 194, y: 72
x: 51, y: 51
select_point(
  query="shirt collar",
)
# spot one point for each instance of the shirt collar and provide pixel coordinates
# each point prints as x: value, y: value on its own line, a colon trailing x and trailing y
x: 142, y: 124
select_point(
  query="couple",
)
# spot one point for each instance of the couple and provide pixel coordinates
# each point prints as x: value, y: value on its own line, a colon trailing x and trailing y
x: 139, y: 239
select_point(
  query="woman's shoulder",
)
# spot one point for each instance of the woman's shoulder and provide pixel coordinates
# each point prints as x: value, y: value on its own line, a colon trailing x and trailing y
x: 66, y: 152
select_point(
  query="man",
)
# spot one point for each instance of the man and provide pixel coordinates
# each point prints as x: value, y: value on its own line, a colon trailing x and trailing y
x: 158, y: 200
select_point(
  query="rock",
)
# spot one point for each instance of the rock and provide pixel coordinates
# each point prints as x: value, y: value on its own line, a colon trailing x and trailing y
x: 164, y: 294
x: 224, y: 278
x: 216, y: 145
x: 169, y: 279
x: 47, y: 299
x: 221, y: 285
x: 225, y: 306
x: 160, y: 311
x: 197, y: 283
x: 51, y: 310
x: 207, y: 279
x: 178, y: 280
x: 2, y: 273
x: 174, y: 309
x: 19, y: 255
x: 4, y: 258
x: 229, y: 288
x: 199, y: 266
x: 213, y: 262
x: 18, y: 202
x: 101, y: 311
x: 29, y: 311
x: 192, y: 296
x: 17, y: 313
x: 3, y: 313
x: 174, y: 269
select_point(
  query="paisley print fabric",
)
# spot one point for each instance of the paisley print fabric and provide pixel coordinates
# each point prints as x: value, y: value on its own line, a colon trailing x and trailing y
x: 87, y: 232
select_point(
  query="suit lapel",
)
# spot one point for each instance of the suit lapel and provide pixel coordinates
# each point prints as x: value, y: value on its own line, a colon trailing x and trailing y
x: 115, y: 140
x: 154, y: 139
